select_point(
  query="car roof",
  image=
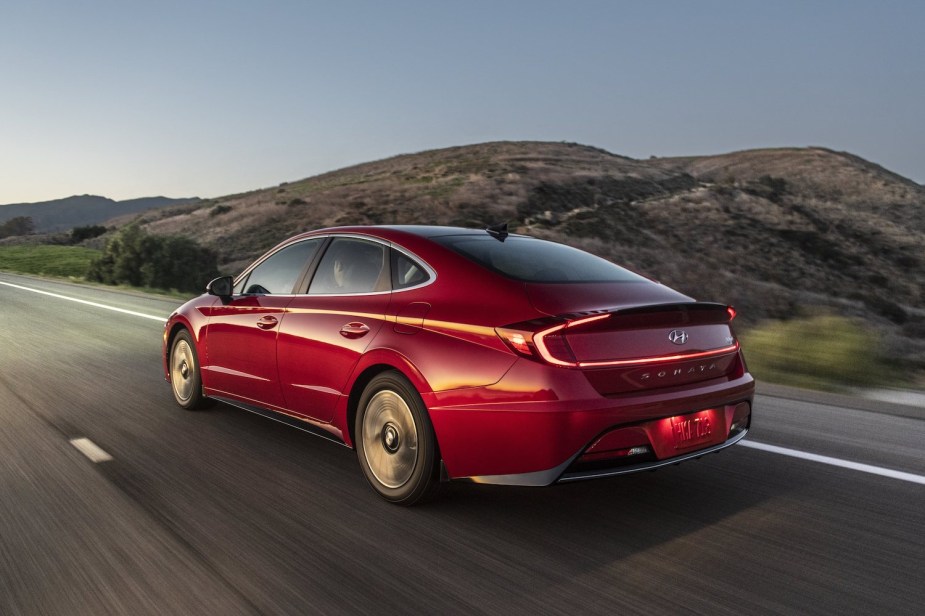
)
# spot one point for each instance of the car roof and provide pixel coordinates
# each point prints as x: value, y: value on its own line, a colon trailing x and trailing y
x: 433, y: 230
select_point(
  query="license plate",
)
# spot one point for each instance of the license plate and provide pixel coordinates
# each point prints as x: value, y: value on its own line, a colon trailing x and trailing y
x: 692, y: 429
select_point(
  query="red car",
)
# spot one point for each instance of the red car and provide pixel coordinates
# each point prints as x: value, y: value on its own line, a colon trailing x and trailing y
x: 442, y: 353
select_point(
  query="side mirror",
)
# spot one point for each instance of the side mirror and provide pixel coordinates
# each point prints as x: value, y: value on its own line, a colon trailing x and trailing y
x: 221, y: 286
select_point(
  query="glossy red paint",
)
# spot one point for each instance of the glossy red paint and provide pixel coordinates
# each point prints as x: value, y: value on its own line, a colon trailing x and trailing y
x: 241, y: 354
x: 320, y: 341
x: 523, y: 381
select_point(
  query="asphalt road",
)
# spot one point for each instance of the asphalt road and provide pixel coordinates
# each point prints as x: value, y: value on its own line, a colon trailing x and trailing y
x: 223, y: 512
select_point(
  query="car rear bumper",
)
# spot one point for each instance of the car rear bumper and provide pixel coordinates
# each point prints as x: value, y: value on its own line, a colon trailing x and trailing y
x: 578, y: 475
x: 563, y: 474
x: 566, y: 431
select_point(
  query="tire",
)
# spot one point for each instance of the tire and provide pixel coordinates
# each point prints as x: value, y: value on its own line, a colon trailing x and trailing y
x: 395, y: 441
x: 185, y: 378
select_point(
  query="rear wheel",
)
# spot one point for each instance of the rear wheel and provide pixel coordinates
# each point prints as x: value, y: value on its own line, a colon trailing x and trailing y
x: 185, y: 378
x: 395, y: 440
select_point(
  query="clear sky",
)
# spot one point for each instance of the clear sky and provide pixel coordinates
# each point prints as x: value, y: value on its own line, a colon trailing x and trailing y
x: 129, y: 98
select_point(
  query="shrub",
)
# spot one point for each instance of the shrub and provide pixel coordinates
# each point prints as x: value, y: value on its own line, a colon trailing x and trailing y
x: 79, y: 234
x: 20, y: 225
x: 219, y: 210
x: 136, y: 258
x: 819, y: 352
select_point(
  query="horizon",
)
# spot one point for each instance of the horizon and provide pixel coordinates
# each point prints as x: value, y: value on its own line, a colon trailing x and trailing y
x: 201, y: 197
x: 207, y: 100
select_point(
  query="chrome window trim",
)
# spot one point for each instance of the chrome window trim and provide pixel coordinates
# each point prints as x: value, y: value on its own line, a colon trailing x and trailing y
x: 247, y: 271
x: 427, y: 268
x: 378, y: 240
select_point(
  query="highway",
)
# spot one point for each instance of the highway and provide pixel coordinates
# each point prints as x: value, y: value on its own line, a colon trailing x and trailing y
x: 224, y: 512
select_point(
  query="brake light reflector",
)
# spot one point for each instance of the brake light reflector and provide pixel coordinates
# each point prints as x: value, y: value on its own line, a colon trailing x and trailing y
x: 515, y: 340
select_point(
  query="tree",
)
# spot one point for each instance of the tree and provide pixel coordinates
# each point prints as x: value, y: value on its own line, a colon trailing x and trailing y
x: 20, y: 225
x: 135, y: 258
x: 79, y: 234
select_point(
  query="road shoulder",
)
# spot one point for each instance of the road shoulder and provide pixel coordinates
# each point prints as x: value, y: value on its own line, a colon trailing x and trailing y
x: 842, y: 400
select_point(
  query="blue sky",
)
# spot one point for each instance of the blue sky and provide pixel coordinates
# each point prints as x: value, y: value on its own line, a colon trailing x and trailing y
x: 129, y: 99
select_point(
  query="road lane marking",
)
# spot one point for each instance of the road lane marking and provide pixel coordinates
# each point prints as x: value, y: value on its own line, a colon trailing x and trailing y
x: 88, y: 303
x: 856, y: 466
x: 91, y: 450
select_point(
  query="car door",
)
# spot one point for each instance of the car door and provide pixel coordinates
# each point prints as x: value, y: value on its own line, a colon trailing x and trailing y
x: 241, y: 334
x: 329, y: 327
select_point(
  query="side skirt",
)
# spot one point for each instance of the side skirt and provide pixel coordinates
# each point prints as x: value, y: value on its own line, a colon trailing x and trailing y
x: 294, y: 422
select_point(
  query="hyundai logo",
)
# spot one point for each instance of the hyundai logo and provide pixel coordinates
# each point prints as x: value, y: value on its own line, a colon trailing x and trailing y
x: 677, y: 336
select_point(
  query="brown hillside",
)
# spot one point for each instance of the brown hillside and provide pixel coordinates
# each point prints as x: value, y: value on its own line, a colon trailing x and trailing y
x: 771, y: 231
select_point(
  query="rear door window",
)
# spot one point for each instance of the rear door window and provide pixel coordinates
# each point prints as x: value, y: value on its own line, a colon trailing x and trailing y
x: 351, y: 265
x: 406, y: 272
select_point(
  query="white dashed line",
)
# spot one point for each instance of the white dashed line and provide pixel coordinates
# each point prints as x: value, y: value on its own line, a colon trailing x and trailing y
x: 855, y: 466
x: 91, y: 450
x: 88, y: 303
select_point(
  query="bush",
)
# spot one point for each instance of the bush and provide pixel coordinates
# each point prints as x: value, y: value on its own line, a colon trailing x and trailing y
x: 79, y: 234
x: 20, y: 225
x: 220, y: 209
x: 820, y: 352
x: 136, y: 258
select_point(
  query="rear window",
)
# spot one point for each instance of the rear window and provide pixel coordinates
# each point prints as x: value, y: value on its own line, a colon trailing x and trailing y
x: 533, y: 260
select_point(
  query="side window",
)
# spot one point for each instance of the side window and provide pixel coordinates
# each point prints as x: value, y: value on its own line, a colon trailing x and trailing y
x: 279, y: 273
x: 406, y: 273
x: 350, y: 266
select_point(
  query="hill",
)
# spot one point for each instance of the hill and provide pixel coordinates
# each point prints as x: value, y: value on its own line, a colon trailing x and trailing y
x: 78, y: 211
x: 771, y: 231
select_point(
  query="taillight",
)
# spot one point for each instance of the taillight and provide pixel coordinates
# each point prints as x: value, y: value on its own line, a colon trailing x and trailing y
x: 519, y: 340
x: 547, y: 341
x: 516, y: 340
x: 553, y: 347
x: 731, y: 312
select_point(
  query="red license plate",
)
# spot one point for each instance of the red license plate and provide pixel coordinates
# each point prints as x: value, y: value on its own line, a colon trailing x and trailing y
x: 693, y: 429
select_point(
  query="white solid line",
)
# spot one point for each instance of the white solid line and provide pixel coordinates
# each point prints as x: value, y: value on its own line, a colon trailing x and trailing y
x: 91, y: 450
x: 83, y: 301
x: 856, y: 466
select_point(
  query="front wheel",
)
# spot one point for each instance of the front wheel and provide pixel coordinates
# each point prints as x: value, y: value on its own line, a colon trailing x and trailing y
x: 185, y: 378
x: 395, y: 440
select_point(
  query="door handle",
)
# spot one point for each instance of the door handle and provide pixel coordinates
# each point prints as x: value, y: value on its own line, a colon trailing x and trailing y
x: 267, y: 322
x: 354, y: 330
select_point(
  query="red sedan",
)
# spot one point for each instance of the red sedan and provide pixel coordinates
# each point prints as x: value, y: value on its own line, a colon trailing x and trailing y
x: 442, y: 353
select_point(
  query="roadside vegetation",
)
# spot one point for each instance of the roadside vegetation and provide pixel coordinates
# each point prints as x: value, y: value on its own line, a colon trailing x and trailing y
x: 130, y: 257
x: 824, y: 352
x: 134, y: 257
x: 45, y: 260
x: 19, y: 225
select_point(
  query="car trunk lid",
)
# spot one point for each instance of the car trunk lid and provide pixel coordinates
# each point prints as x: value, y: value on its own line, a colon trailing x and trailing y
x: 658, y: 346
x: 637, y: 347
